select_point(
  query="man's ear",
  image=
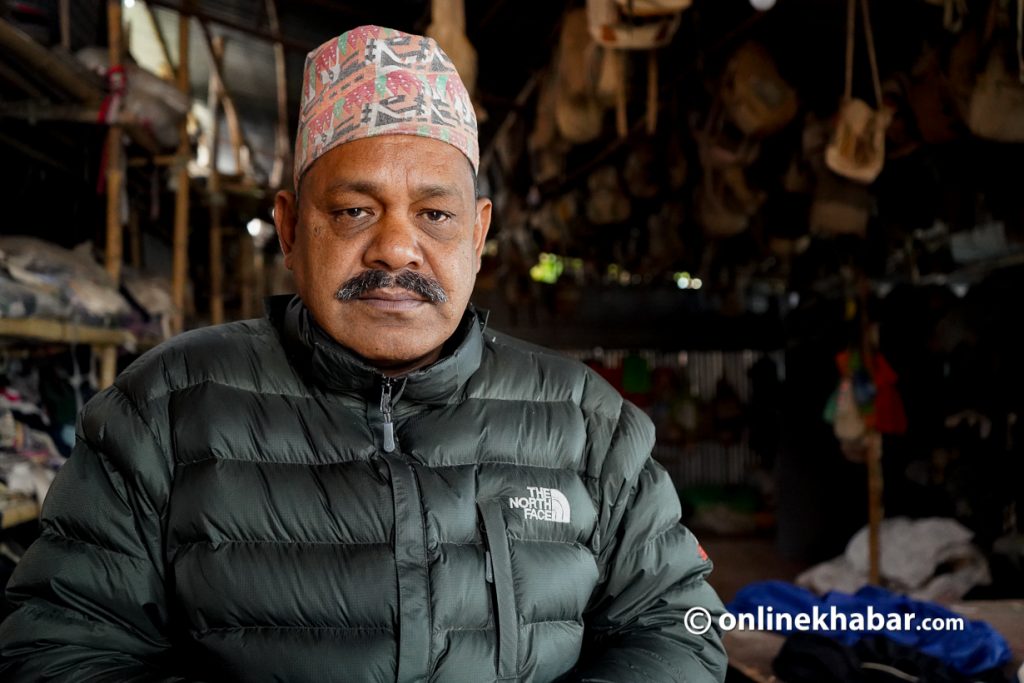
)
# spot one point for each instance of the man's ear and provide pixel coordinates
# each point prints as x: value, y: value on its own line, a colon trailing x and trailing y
x: 286, y: 216
x: 480, y: 227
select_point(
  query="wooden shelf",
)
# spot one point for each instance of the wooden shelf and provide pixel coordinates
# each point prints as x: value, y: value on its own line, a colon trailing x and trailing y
x: 16, y: 510
x: 43, y: 330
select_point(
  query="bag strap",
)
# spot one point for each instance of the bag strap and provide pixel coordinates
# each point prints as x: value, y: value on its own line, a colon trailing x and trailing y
x: 869, y: 34
x: 1020, y: 40
x: 851, y: 29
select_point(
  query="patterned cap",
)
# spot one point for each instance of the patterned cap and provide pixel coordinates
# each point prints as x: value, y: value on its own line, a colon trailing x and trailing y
x: 379, y: 81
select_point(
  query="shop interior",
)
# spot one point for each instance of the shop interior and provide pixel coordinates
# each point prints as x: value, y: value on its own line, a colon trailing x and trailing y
x: 791, y: 231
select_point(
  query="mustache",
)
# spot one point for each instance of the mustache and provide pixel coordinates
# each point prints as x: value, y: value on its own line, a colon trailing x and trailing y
x: 369, y: 280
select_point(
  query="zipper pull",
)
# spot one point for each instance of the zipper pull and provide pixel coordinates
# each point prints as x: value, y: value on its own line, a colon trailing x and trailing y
x: 488, y: 567
x: 385, y: 408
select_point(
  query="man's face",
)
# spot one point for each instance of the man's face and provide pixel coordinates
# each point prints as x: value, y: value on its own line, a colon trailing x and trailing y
x: 393, y: 205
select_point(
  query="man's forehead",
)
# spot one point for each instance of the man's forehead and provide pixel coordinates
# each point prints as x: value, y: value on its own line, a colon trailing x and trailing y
x: 426, y: 168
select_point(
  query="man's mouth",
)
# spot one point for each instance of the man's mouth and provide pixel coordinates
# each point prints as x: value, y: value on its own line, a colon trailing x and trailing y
x: 391, y: 299
x: 405, y: 288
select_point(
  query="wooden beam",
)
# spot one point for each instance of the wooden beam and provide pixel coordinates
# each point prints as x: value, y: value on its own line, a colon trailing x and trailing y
x: 65, y: 24
x: 134, y: 239
x: 216, y: 196
x: 158, y: 160
x: 242, y: 150
x: 20, y: 82
x: 282, y: 144
x: 63, y: 72
x: 115, y: 187
x: 45, y: 330
x: 246, y: 254
x: 875, y: 507
x: 33, y: 153
x: 189, y: 9
x: 165, y: 50
x: 179, y: 266
x: 115, y: 175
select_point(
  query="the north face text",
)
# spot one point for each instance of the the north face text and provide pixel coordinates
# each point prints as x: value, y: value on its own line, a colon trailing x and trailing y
x: 549, y: 505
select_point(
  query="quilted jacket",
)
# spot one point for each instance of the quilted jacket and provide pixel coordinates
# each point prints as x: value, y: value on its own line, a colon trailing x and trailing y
x: 250, y: 502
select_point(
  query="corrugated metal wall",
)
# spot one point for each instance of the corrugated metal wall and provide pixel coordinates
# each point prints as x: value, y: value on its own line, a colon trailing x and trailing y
x: 705, y: 461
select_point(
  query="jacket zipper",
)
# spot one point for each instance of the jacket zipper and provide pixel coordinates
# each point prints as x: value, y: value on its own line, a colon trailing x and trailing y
x: 388, y: 426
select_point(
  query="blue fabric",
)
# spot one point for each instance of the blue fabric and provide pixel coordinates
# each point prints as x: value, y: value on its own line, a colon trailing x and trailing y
x: 978, y: 647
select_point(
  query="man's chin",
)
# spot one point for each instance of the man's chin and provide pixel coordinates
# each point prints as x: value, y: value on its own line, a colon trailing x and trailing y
x: 391, y: 341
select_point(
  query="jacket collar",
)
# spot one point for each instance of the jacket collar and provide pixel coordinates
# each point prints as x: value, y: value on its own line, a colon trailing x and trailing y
x: 335, y: 368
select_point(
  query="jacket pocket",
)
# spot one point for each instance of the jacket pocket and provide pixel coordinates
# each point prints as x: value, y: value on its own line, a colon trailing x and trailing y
x: 498, y: 570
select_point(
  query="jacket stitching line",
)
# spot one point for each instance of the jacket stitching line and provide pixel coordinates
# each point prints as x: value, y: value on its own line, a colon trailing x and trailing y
x: 269, y: 541
x: 578, y: 622
x: 199, y: 461
x: 59, y: 536
x: 227, y: 629
x: 138, y: 413
x: 171, y: 390
x: 460, y: 629
x: 550, y: 468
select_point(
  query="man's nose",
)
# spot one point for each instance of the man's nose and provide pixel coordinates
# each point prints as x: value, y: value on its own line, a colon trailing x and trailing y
x: 394, y: 245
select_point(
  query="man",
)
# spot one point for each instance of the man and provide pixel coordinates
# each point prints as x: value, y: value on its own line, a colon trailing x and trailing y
x: 369, y: 484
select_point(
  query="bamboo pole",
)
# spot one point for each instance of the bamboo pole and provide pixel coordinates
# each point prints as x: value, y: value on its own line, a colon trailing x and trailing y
x: 134, y: 239
x: 65, y: 24
x: 181, y: 203
x: 235, y: 131
x: 259, y: 276
x: 216, y: 196
x: 188, y: 8
x: 652, y: 91
x: 161, y: 41
x: 621, y: 110
x: 59, y: 69
x: 245, y: 269
x: 14, y: 78
x: 115, y: 182
x: 875, y: 510
x: 281, y: 143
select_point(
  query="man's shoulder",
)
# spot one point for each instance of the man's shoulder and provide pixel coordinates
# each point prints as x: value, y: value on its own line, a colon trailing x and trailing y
x: 547, y: 374
x: 620, y: 434
x: 233, y: 353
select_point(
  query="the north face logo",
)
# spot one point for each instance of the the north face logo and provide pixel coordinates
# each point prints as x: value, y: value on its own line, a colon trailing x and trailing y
x: 549, y: 505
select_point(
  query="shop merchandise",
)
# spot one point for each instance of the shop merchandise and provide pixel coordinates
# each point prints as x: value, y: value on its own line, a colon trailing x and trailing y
x: 929, y: 559
x: 977, y: 648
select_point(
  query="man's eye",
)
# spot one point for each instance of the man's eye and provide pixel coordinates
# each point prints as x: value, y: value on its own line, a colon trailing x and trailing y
x: 435, y: 216
x: 352, y: 213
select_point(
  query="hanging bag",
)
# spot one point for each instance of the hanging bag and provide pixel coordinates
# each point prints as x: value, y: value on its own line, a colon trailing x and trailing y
x: 757, y: 98
x: 448, y: 28
x: 623, y: 25
x: 996, y: 108
x: 857, y: 148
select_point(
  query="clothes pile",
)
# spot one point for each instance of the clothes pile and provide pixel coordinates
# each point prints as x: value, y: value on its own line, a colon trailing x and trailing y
x: 40, y: 279
x: 928, y: 559
x: 29, y: 456
x: 889, y: 651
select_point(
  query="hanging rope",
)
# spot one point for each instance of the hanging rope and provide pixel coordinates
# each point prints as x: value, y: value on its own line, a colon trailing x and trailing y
x: 851, y: 29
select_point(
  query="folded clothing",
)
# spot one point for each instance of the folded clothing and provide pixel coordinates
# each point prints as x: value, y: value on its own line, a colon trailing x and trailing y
x: 977, y: 647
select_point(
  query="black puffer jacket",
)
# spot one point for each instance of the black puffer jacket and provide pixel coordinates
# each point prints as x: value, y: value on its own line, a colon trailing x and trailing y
x: 237, y: 509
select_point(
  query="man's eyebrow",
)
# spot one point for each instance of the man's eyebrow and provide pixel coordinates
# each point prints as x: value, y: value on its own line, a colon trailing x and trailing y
x: 436, y: 192
x: 359, y: 186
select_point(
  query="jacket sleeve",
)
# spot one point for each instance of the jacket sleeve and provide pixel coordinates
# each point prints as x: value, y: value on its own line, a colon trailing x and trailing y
x: 90, y: 592
x: 653, y: 572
